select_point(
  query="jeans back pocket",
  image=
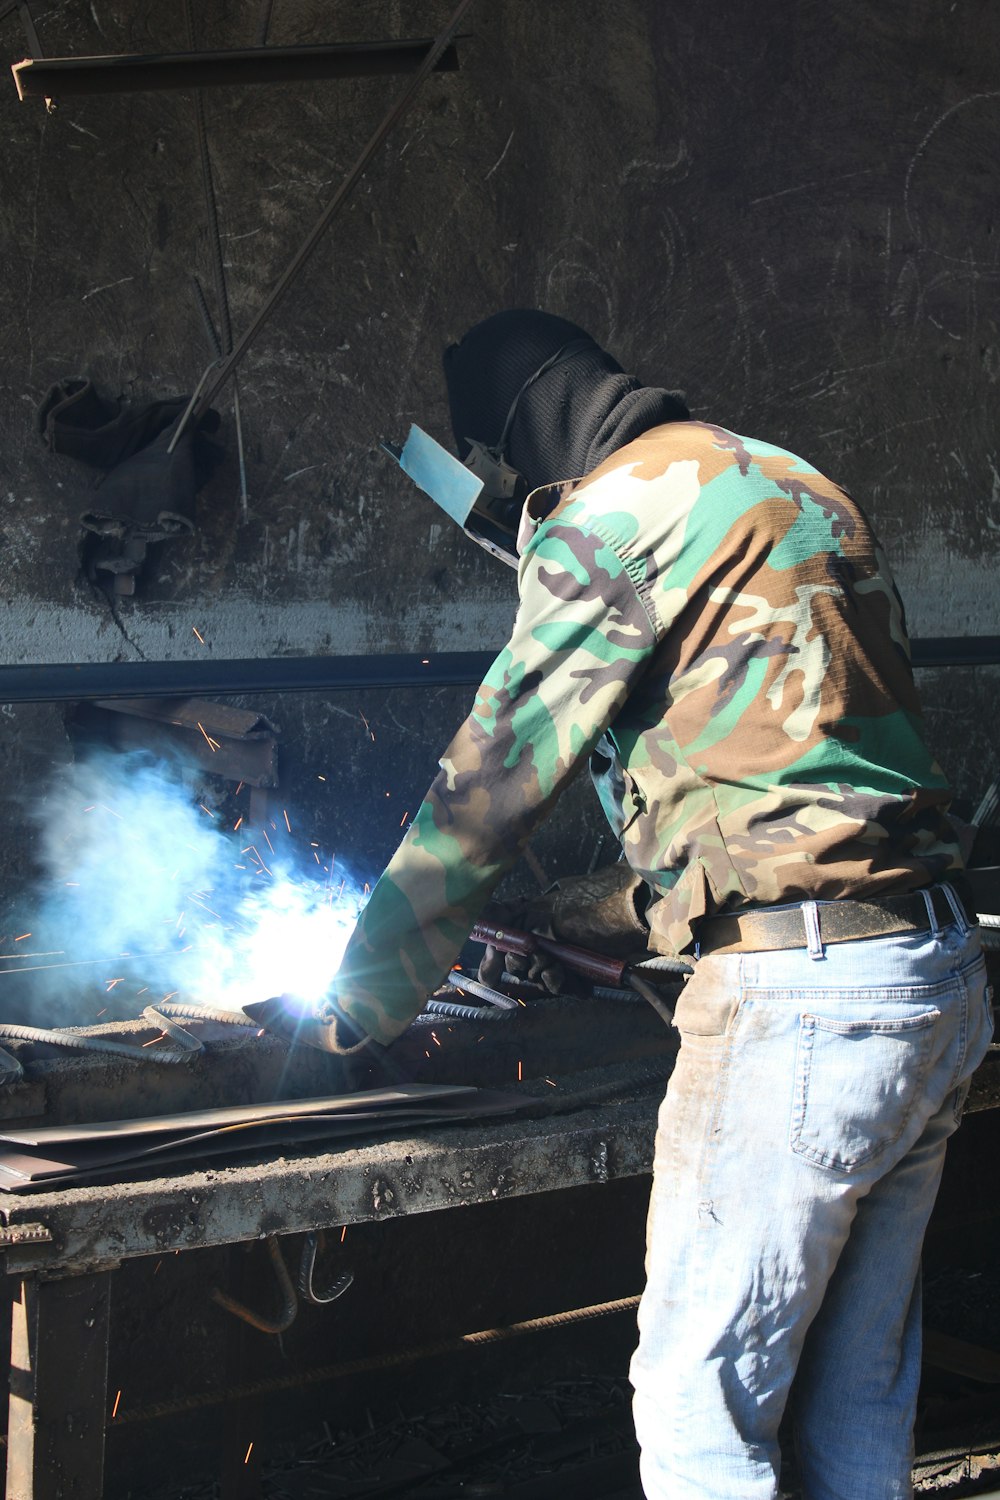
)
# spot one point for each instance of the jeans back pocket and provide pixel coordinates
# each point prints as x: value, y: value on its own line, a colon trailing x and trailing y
x: 856, y: 1083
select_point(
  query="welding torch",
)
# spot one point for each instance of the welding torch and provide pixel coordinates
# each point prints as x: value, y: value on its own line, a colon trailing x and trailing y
x: 598, y: 968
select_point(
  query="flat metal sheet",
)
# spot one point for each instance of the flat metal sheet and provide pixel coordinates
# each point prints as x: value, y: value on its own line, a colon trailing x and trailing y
x: 413, y: 1094
x: 417, y: 1170
x: 31, y: 1169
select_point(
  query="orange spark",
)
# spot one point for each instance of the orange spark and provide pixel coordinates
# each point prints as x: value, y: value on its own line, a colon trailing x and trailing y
x: 404, y: 818
x: 198, y: 634
x: 206, y: 810
x: 269, y: 844
x: 343, y: 1234
x: 236, y: 825
x: 249, y: 1451
x: 114, y: 1409
x: 519, y: 1070
x: 212, y: 744
x: 287, y: 824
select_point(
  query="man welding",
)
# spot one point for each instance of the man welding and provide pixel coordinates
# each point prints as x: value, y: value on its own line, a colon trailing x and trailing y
x: 713, y: 626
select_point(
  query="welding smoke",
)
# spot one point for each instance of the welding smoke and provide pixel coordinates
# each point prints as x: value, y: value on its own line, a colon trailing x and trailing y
x: 145, y: 893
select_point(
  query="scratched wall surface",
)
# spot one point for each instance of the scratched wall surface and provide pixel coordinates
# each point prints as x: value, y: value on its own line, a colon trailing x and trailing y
x: 790, y: 214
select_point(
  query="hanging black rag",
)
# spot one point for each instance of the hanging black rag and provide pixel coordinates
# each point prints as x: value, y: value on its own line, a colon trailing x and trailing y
x: 147, y: 494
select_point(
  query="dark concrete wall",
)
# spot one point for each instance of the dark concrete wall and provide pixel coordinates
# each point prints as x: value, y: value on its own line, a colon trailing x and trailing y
x: 789, y: 213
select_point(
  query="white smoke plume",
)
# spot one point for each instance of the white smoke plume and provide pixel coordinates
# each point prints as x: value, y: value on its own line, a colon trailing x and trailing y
x: 146, y: 894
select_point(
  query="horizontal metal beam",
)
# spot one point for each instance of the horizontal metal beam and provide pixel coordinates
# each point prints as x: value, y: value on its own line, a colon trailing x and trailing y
x: 58, y: 77
x: 441, y: 1167
x: 956, y: 651
x: 77, y: 681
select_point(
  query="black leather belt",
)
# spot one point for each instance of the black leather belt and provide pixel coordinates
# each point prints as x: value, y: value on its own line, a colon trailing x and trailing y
x: 766, y: 928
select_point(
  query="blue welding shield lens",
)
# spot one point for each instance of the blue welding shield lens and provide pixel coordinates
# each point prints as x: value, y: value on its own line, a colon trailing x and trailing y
x: 483, y: 495
x: 439, y: 474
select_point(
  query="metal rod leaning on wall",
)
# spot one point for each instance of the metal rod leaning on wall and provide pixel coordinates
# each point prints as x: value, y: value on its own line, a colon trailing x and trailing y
x: 389, y: 122
x: 79, y: 681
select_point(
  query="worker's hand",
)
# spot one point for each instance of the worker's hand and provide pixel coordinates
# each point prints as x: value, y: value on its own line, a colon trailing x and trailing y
x: 540, y: 968
x: 345, y: 1036
x: 601, y: 911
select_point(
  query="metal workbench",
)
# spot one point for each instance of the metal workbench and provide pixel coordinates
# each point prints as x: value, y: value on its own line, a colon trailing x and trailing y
x: 65, y: 1246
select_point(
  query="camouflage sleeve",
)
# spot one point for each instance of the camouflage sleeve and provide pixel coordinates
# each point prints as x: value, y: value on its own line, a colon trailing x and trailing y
x: 584, y: 632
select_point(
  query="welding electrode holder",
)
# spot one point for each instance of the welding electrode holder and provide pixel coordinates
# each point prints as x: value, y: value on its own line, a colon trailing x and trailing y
x: 594, y: 966
x: 598, y: 968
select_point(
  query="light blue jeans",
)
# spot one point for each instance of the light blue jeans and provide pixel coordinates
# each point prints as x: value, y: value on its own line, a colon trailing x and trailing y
x: 798, y: 1156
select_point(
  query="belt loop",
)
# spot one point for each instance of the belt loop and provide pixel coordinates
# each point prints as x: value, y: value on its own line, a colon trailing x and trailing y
x: 932, y: 921
x: 951, y: 897
x: 810, y: 920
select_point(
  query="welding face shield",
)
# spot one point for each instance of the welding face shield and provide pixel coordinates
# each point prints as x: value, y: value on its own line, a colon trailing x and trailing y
x: 482, y: 491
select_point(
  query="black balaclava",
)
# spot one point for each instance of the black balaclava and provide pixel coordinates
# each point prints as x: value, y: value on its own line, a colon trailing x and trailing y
x: 568, y: 420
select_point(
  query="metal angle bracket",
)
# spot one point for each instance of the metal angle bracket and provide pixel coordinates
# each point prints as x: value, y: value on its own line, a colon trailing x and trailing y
x: 245, y: 66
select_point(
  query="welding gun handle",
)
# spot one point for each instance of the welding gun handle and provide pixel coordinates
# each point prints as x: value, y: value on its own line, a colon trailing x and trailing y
x: 596, y: 967
x: 507, y: 939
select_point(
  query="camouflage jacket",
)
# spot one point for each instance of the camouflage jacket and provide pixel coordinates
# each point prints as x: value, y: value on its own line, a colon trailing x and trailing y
x: 712, y: 624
